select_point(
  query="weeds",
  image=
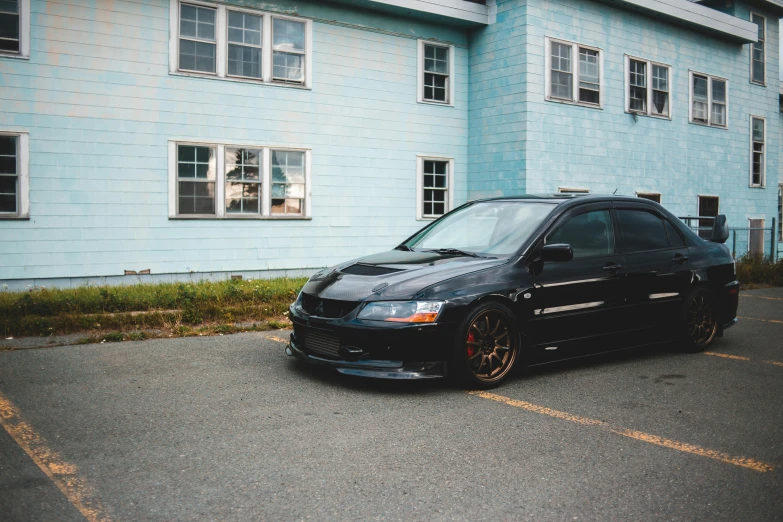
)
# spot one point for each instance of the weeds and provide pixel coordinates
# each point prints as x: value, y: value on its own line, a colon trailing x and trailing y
x: 753, y: 271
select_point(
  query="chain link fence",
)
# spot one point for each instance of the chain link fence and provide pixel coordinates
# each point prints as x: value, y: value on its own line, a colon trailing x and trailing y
x: 758, y: 242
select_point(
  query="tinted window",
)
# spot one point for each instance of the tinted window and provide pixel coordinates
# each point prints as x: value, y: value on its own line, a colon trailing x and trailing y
x: 675, y: 238
x: 642, y: 231
x: 589, y: 234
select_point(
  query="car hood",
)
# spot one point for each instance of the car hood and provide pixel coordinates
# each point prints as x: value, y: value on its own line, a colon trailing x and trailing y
x: 396, y: 274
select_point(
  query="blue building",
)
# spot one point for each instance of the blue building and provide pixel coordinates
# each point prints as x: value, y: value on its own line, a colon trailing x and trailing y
x: 170, y: 140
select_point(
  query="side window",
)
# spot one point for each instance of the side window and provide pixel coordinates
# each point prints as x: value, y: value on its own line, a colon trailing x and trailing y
x: 675, y: 238
x: 589, y: 234
x: 642, y: 231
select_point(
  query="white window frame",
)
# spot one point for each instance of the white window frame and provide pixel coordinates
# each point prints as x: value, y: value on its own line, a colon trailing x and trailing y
x: 265, y: 173
x: 572, y: 190
x: 710, y: 77
x: 575, y: 72
x: 23, y: 175
x: 648, y: 110
x: 420, y: 73
x: 221, y: 39
x: 420, y: 185
x: 24, y: 33
x: 764, y: 20
x: 642, y: 193
x: 763, y: 180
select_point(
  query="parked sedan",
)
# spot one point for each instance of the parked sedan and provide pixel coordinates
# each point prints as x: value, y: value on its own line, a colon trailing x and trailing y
x: 509, y: 282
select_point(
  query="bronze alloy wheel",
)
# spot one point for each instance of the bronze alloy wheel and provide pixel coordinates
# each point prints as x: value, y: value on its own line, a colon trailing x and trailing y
x: 700, y: 319
x: 489, y: 346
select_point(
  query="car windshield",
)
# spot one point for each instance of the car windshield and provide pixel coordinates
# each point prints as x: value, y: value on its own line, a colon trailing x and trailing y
x: 495, y: 228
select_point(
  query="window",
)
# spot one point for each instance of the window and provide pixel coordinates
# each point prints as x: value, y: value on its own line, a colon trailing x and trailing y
x: 642, y: 231
x: 240, y: 44
x: 15, y: 28
x: 231, y: 181
x: 648, y: 84
x: 652, y: 196
x: 708, y: 207
x: 780, y: 212
x: 757, y: 143
x: 574, y: 73
x: 434, y: 181
x: 674, y: 235
x: 244, y: 44
x: 14, y: 201
x: 436, y: 73
x: 709, y: 100
x: 758, y: 59
x: 589, y: 234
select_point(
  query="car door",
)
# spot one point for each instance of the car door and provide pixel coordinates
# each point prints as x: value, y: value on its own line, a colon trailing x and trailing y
x: 577, y: 304
x: 658, y: 270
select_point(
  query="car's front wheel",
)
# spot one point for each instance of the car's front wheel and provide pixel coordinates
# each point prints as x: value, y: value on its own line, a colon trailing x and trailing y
x: 486, y: 347
x: 699, y: 320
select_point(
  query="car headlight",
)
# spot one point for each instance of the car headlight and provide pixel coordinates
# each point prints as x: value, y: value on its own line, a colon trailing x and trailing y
x: 402, y: 311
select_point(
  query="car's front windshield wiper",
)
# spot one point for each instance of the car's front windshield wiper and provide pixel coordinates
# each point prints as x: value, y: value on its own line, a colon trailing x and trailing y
x: 453, y: 251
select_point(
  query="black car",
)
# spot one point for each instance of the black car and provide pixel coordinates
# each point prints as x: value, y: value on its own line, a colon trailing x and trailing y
x: 505, y: 282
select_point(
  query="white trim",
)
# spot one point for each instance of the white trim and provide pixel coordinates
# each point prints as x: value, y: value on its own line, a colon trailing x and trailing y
x: 650, y: 64
x: 221, y: 45
x: 420, y: 158
x: 575, y: 46
x: 24, y: 33
x: 761, y: 228
x: 764, y: 18
x: 451, y: 81
x: 764, y: 154
x: 265, y: 172
x: 22, y: 175
x: 710, y: 78
x: 457, y: 9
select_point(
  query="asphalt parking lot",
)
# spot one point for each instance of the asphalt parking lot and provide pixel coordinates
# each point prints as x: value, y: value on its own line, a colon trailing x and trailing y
x: 230, y: 428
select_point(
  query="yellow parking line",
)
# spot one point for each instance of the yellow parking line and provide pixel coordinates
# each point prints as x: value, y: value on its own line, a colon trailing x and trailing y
x: 727, y: 356
x: 744, y: 462
x: 762, y: 320
x: 763, y: 297
x: 61, y: 473
x: 278, y: 339
x: 776, y: 363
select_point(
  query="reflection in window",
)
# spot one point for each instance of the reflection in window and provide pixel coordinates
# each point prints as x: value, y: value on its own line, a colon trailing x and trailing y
x: 436, y: 73
x: 9, y: 174
x: 196, y: 179
x: 243, y: 181
x: 589, y: 234
x: 642, y: 231
x: 244, y: 44
x: 288, y: 182
x: 288, y: 55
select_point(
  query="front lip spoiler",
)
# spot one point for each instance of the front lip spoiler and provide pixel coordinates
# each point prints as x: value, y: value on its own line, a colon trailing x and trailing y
x: 378, y: 369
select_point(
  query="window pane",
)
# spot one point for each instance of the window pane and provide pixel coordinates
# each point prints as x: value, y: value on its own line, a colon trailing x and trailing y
x: 700, y: 107
x: 196, y: 162
x: 758, y: 69
x: 642, y: 231
x: 589, y: 234
x: 719, y: 114
x: 288, y: 182
x: 660, y: 103
x: 9, y: 26
x: 562, y: 85
x: 196, y: 197
x: 435, y: 87
x: 9, y: 6
x: 651, y: 197
x: 638, y: 99
x: 638, y: 73
x: 196, y: 56
x: 758, y: 129
x: 8, y: 155
x: 675, y: 238
x: 660, y: 78
x: 196, y: 21
x: 244, y: 61
x: 718, y: 91
x: 8, y: 204
x: 436, y: 59
x: 289, y: 35
x: 244, y: 28
x: 288, y: 67
x: 561, y: 57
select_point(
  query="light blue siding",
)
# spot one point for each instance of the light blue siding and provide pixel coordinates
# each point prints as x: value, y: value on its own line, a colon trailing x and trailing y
x: 100, y: 106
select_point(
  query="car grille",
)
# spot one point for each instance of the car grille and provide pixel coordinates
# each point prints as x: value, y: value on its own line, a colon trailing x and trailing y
x: 329, y: 308
x: 320, y: 343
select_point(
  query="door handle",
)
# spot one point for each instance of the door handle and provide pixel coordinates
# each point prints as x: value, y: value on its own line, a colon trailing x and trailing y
x: 612, y: 267
x: 680, y: 259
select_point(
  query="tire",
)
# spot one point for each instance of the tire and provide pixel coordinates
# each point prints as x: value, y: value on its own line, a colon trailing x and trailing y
x: 699, y: 320
x: 486, y: 347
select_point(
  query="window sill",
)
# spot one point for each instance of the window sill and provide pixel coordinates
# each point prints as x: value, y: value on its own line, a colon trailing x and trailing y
x: 646, y: 115
x: 237, y: 79
x: 15, y: 56
x: 574, y: 103
x: 719, y: 127
x: 436, y: 103
x: 758, y: 84
x: 757, y: 186
x: 240, y: 218
x: 7, y: 217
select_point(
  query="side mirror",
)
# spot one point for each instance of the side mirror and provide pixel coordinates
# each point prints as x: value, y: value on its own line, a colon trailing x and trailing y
x: 557, y: 253
x: 720, y: 229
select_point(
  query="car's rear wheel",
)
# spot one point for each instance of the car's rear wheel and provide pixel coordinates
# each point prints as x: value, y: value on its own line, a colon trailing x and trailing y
x: 700, y: 320
x: 486, y: 347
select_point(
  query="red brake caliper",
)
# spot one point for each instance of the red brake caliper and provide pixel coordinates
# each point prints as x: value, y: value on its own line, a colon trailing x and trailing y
x: 471, y: 348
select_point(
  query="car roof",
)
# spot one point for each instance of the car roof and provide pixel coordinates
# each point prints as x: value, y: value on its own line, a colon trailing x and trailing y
x: 560, y: 199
